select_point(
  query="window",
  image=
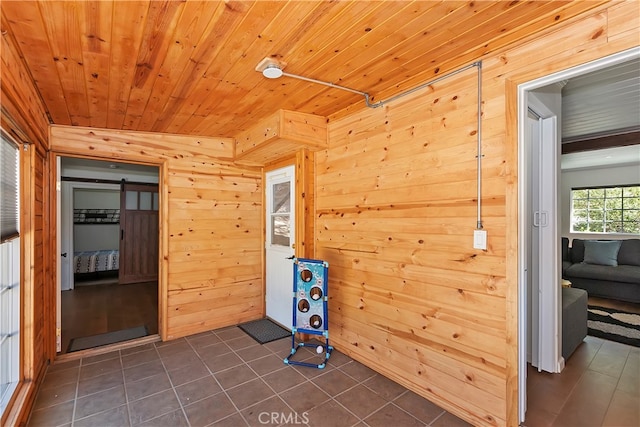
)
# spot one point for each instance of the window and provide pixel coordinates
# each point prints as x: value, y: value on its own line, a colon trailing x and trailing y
x: 606, y: 209
x: 8, y: 188
x: 281, y: 214
x: 9, y: 271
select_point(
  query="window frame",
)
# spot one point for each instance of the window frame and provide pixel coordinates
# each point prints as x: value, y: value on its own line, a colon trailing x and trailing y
x: 10, y: 292
x: 10, y: 227
x: 604, y: 219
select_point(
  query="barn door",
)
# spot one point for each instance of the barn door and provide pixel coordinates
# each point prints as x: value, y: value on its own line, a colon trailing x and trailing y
x: 138, y: 233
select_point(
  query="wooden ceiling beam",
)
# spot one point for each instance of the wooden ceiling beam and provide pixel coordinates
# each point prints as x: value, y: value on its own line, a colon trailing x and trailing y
x: 601, y: 142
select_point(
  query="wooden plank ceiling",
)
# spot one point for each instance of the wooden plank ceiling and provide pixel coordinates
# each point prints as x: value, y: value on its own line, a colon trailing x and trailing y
x: 188, y: 67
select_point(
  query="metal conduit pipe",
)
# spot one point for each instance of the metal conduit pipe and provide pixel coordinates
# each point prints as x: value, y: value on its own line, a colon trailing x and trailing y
x: 272, y: 70
x: 479, y: 149
x: 477, y: 64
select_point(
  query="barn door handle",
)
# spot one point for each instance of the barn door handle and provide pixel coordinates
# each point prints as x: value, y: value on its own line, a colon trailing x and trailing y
x: 121, y: 234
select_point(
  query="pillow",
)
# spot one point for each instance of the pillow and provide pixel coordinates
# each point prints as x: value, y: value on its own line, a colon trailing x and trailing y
x: 629, y: 253
x: 601, y: 252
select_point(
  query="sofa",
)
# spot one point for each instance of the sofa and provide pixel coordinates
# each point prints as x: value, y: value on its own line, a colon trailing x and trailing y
x: 574, y: 319
x: 604, y: 268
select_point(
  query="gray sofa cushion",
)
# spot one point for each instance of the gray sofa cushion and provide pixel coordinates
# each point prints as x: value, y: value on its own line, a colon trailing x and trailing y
x: 629, y: 253
x: 601, y: 252
x: 574, y: 319
x: 621, y: 273
x: 577, y: 250
x: 564, y: 243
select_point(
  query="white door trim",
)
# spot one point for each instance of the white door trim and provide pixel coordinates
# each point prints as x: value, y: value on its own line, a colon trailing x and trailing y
x: 523, y: 90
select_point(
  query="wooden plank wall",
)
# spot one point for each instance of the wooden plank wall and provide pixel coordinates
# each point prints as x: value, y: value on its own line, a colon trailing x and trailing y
x: 395, y: 214
x: 23, y: 116
x: 210, y: 226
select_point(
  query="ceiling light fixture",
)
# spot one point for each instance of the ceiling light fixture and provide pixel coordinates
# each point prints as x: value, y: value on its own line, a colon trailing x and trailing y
x: 272, y: 69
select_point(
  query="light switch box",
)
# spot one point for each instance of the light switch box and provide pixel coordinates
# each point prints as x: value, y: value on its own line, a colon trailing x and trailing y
x: 480, y: 239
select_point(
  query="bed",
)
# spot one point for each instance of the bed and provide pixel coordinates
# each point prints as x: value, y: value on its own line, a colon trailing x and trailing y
x: 91, y: 265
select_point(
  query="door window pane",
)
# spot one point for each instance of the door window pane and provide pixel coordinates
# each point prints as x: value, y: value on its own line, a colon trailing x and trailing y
x: 155, y: 201
x: 280, y: 230
x: 145, y: 201
x: 131, y: 200
x: 281, y: 198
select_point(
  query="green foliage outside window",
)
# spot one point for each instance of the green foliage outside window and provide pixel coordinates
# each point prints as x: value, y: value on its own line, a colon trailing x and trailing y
x: 606, y: 210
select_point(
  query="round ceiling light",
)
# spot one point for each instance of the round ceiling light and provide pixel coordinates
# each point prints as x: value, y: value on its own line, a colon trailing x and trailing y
x: 272, y: 72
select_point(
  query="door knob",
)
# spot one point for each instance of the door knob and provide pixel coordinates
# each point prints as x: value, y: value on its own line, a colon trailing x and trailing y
x: 64, y: 254
x: 293, y: 246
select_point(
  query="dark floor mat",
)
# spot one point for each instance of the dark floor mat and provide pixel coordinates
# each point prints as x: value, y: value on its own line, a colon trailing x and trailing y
x: 264, y: 330
x: 84, y: 343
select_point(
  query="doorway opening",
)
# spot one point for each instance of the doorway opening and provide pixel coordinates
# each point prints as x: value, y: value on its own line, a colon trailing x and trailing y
x: 108, y: 216
x: 543, y: 302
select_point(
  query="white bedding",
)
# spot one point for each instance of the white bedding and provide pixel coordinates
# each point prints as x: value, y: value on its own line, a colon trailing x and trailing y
x: 92, y: 261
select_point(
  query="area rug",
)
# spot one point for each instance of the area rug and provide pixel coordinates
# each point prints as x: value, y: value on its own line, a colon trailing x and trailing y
x: 264, y: 330
x: 83, y: 343
x: 614, y: 325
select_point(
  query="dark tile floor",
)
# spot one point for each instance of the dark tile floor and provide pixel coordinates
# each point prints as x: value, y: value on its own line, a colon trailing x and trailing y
x: 225, y: 378
x: 599, y: 386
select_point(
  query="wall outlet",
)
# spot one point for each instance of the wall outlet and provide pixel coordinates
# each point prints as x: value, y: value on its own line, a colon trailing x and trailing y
x: 480, y: 239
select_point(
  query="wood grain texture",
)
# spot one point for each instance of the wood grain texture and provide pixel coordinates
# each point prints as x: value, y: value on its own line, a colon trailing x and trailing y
x: 24, y: 117
x: 395, y: 214
x: 23, y: 113
x: 188, y: 67
x: 282, y: 134
x: 210, y: 233
x: 394, y: 197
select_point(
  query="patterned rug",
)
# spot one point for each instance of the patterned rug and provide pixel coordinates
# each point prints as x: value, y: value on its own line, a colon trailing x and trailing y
x: 264, y: 330
x: 614, y: 325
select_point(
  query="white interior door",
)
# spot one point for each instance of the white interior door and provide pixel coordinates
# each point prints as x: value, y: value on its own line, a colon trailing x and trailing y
x: 279, y: 245
x: 546, y: 219
x: 542, y: 272
x: 532, y: 250
x: 65, y: 225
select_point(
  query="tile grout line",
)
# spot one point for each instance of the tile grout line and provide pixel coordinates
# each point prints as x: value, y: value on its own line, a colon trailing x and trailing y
x: 606, y: 411
x: 124, y: 387
x: 162, y: 391
x: 573, y: 388
x: 75, y: 399
x: 276, y: 394
x: 271, y: 351
x: 219, y: 384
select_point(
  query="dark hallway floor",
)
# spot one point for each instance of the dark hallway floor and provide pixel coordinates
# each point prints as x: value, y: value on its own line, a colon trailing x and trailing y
x: 107, y: 307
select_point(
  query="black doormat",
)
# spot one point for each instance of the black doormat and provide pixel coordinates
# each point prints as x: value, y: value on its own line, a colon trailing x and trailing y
x: 264, y: 330
x: 83, y: 343
x: 614, y: 325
